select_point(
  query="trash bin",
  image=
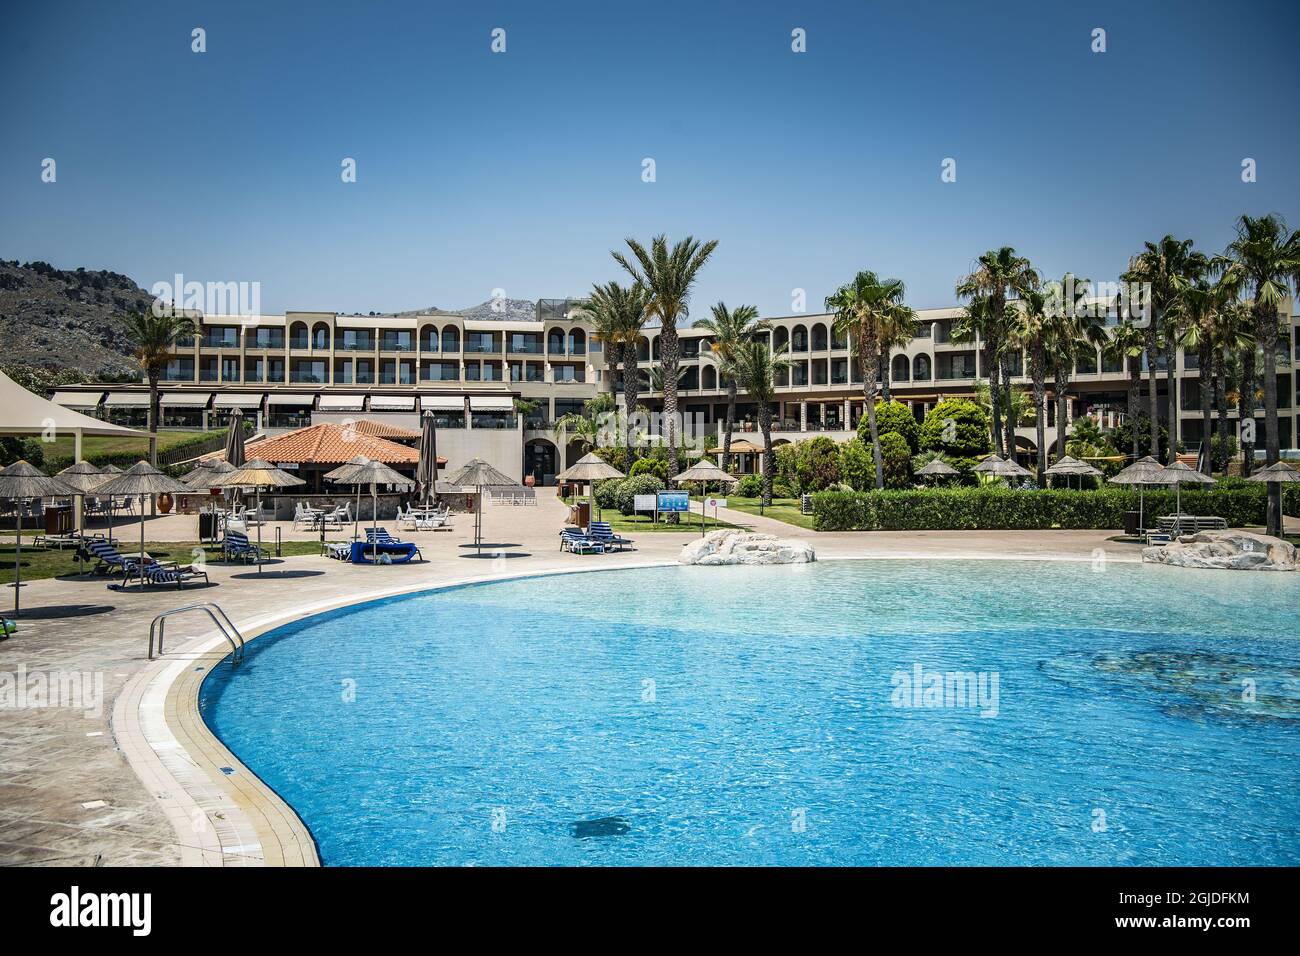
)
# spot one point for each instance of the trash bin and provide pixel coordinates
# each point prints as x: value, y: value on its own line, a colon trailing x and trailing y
x: 582, y: 514
x: 1131, y: 519
x: 58, y: 520
x: 805, y: 504
x: 207, y: 526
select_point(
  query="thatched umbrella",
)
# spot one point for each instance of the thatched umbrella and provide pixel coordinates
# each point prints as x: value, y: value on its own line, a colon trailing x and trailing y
x: 1143, y: 472
x: 346, y: 474
x: 1178, y: 475
x: 83, y: 477
x: 590, y: 468
x: 481, y: 475
x: 705, y: 471
x: 204, y: 476
x: 938, y: 468
x: 426, y: 472
x: 373, y: 474
x: 145, y: 481
x: 990, y: 465
x: 1067, y: 466
x: 257, y: 474
x: 19, y: 482
x: 1010, y: 468
x: 1277, y: 474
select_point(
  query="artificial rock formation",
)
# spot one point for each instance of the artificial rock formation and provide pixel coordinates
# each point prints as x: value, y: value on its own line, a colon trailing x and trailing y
x: 729, y: 546
x: 1226, y: 550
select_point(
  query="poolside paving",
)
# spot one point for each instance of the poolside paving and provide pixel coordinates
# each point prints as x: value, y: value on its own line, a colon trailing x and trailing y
x: 68, y: 796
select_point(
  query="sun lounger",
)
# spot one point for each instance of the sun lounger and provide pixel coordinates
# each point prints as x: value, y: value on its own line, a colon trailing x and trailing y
x: 602, y: 531
x: 575, y: 541
x: 369, y: 552
x: 237, y: 545
x: 151, y: 573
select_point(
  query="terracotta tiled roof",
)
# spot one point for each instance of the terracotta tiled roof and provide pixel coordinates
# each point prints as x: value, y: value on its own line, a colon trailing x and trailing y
x: 331, y: 444
x: 368, y: 426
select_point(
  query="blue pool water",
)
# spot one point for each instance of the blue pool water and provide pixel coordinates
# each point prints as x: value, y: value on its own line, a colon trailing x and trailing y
x: 749, y: 716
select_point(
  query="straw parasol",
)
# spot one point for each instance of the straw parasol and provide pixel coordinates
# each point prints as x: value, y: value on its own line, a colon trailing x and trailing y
x: 481, y: 475
x: 204, y: 477
x: 344, y: 475
x: 1275, y: 475
x: 1010, y: 468
x: 1178, y: 475
x: 990, y: 465
x: 938, y: 468
x: 83, y: 477
x: 705, y: 471
x: 1143, y: 472
x: 1067, y: 466
x: 590, y: 468
x: 257, y: 474
x: 18, y: 482
x: 426, y: 472
x: 373, y: 473
x: 145, y: 481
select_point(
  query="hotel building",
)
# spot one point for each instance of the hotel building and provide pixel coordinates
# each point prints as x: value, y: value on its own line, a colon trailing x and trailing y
x: 301, y: 368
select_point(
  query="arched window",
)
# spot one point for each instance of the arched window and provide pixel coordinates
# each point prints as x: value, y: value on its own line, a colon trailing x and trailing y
x: 555, y: 341
x: 451, y: 339
x: 428, y: 338
x: 320, y: 336
x: 298, y: 338
x: 839, y: 338
x: 921, y: 367
x: 799, y: 339
x: 654, y: 348
x: 577, y: 342
x: 900, y: 370
x: 780, y: 337
x: 643, y: 349
x: 819, y: 338
x: 710, y: 377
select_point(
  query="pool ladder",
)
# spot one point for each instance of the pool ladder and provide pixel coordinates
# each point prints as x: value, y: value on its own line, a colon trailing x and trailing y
x: 224, y: 625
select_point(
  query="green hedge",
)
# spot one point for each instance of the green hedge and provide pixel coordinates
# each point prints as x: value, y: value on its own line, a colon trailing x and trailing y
x: 1239, y: 503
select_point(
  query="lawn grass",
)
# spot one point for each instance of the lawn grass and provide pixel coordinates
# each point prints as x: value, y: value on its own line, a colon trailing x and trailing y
x: 781, y: 509
x: 93, y: 445
x: 39, y: 563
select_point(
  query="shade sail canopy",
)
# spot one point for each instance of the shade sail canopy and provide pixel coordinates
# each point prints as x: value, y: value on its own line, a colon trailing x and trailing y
x: 24, y: 413
x: 1278, y: 471
x: 257, y: 474
x: 705, y: 470
x: 141, y: 478
x: 590, y: 467
x: 1144, y: 471
x: 24, y: 480
x: 480, y: 474
x: 938, y: 467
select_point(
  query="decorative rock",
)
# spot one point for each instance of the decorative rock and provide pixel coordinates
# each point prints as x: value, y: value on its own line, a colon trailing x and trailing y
x: 728, y: 546
x: 1226, y: 550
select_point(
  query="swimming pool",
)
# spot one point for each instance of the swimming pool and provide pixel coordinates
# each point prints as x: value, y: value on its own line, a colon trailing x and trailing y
x: 789, y: 715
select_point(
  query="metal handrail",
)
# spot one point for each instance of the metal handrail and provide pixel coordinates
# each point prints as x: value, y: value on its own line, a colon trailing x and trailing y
x: 227, y: 629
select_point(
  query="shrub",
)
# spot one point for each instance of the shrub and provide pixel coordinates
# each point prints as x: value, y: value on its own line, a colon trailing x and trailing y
x: 27, y: 449
x: 857, y: 467
x: 629, y: 488
x: 787, y: 461
x: 750, y: 486
x: 1123, y: 436
x: 967, y: 437
x: 613, y: 455
x: 895, y: 460
x: 1223, y: 448
x: 893, y: 417
x: 782, y: 489
x: 994, y: 508
x: 607, y: 493
x: 817, y: 464
x: 650, y: 466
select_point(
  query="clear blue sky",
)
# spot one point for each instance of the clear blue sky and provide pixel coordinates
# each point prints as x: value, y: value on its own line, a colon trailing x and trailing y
x: 522, y: 170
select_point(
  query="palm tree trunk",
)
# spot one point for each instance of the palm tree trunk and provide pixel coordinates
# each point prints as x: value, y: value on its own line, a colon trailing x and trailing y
x: 1171, y: 398
x: 731, y: 422
x: 1039, y: 373
x: 154, y: 416
x: 1221, y: 398
x: 1203, y: 359
x: 1266, y: 333
x: 1062, y: 382
x: 613, y: 354
x: 669, y: 359
x: 1150, y: 348
x: 769, y: 463
x: 1010, y: 422
x: 869, y: 399
x: 631, y: 392
x: 1246, y: 410
x: 1134, y: 398
x: 994, y: 371
x: 883, y: 368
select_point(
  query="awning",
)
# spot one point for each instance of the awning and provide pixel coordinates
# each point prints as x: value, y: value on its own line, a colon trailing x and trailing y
x: 229, y: 400
x: 77, y: 399
x: 341, y: 403
x: 491, y: 403
x: 394, y: 402
x: 284, y: 399
x: 186, y: 399
x: 135, y: 399
x: 25, y: 413
x: 443, y: 403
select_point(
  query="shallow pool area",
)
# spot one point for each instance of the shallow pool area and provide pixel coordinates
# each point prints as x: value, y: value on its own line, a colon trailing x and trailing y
x: 852, y: 712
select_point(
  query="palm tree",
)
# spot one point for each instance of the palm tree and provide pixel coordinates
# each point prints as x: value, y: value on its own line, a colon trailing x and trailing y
x: 1125, y: 344
x: 154, y: 335
x: 630, y: 309
x: 755, y: 368
x: 998, y: 275
x: 600, y: 312
x: 1161, y: 265
x: 1071, y: 330
x: 1264, y: 259
x: 730, y: 329
x: 976, y: 323
x: 1236, y: 337
x: 668, y: 275
x: 860, y: 307
x: 897, y: 327
x: 1198, y: 312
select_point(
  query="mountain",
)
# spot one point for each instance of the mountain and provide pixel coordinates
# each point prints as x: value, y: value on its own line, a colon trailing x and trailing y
x: 67, y: 320
x: 511, y: 310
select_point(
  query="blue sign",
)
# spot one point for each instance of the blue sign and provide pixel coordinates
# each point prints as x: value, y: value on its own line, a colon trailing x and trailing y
x: 678, y: 501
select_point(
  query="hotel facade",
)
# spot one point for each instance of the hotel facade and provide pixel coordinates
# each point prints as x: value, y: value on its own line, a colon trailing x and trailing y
x: 498, y: 388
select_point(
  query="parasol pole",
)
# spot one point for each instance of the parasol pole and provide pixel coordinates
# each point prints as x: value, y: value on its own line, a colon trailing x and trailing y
x: 141, y: 568
x: 257, y: 503
x: 18, y: 560
x: 374, y: 521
